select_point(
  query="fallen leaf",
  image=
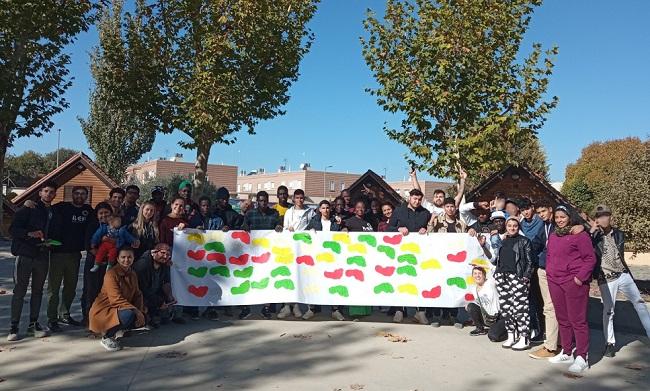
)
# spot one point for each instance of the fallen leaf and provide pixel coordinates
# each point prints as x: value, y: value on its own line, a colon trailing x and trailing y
x: 635, y: 366
x: 171, y: 354
x: 357, y: 386
x: 283, y: 334
x: 572, y: 376
x: 392, y: 337
x: 302, y: 337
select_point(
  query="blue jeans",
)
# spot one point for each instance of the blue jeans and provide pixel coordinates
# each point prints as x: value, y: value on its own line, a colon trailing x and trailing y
x: 127, y: 321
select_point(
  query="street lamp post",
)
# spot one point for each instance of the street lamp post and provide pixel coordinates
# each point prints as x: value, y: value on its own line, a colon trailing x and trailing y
x: 325, y: 182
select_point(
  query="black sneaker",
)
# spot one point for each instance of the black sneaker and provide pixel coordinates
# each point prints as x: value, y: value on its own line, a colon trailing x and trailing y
x: 211, y: 314
x: 478, y: 331
x: 610, y: 350
x: 69, y: 320
x: 245, y: 313
x: 266, y: 313
x: 539, y: 339
x: 227, y: 311
x: 35, y: 330
x: 54, y: 327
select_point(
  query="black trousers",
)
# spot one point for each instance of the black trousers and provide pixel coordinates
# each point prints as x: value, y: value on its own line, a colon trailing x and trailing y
x: 442, y: 313
x: 92, y: 283
x: 26, y: 269
x: 496, y: 331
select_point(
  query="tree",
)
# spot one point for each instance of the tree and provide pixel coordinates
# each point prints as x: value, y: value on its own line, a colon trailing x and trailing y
x: 630, y: 200
x: 170, y: 183
x: 231, y: 63
x: 126, y: 105
x: 33, y: 64
x: 589, y: 181
x: 451, y: 69
x: 28, y: 167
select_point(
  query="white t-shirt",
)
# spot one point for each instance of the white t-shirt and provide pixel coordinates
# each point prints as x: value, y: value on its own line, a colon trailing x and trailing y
x: 488, y: 297
x: 432, y: 208
x: 297, y: 219
x: 327, y: 225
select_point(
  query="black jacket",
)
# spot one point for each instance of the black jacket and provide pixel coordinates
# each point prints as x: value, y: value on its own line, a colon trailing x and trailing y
x: 29, y: 220
x: 316, y: 224
x: 524, y: 257
x: 599, y: 244
x: 414, y: 220
x: 144, y: 269
x: 231, y: 219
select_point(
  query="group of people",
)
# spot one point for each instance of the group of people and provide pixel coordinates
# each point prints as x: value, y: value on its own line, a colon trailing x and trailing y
x: 544, y: 260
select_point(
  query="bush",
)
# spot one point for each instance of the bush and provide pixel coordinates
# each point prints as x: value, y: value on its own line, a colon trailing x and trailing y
x: 170, y: 183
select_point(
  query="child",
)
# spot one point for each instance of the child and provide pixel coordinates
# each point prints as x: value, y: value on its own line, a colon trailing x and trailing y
x: 107, y: 239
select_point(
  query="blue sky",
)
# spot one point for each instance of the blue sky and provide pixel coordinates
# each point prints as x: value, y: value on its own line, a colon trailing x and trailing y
x: 601, y: 78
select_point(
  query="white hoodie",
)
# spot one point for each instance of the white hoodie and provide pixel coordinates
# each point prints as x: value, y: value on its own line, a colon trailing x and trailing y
x: 297, y: 219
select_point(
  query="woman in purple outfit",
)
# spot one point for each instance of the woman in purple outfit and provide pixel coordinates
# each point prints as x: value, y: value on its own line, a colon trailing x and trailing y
x: 569, y: 265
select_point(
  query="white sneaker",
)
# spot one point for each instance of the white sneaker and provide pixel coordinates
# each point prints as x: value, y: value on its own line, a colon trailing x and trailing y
x: 579, y: 365
x: 284, y: 312
x: 561, y: 358
x: 522, y: 344
x: 509, y: 342
x: 421, y: 317
x: 399, y: 316
x: 296, y: 311
x: 337, y: 315
x: 13, y: 334
x: 308, y: 315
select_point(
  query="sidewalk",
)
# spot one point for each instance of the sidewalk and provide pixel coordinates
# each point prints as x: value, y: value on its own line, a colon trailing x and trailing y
x: 299, y: 355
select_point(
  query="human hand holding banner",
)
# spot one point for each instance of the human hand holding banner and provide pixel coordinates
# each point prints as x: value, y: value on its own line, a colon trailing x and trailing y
x: 329, y: 268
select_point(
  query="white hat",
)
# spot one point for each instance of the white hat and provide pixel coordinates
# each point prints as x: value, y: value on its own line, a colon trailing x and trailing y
x: 497, y: 214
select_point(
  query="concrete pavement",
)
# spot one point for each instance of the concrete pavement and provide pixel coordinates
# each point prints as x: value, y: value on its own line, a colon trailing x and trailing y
x: 319, y: 354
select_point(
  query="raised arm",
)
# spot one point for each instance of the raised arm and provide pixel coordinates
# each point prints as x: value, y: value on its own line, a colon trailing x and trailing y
x: 414, y: 179
x: 461, y: 186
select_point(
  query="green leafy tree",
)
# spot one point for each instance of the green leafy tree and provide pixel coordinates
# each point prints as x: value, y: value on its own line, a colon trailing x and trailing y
x: 231, y: 63
x: 589, y: 181
x: 171, y: 183
x: 24, y: 169
x: 33, y: 65
x: 630, y: 200
x: 452, y: 70
x: 126, y: 105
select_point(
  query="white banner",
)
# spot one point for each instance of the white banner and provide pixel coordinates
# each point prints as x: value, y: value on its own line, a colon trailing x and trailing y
x: 381, y: 269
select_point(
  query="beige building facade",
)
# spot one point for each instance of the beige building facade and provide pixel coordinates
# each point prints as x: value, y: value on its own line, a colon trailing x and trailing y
x: 219, y: 175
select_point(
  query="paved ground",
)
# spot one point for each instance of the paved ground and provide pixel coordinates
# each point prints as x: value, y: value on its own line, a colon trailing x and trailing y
x: 296, y: 355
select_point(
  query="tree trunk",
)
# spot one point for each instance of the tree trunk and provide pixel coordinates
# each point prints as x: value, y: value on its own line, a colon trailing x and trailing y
x: 4, y: 142
x: 201, y: 167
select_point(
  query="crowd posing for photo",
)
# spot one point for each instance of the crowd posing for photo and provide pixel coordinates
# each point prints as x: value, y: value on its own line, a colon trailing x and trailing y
x: 537, y: 293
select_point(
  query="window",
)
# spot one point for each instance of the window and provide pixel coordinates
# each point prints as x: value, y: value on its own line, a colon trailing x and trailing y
x: 67, y: 193
x: 332, y: 186
x: 238, y: 188
x: 248, y: 186
x: 342, y: 186
x: 259, y: 186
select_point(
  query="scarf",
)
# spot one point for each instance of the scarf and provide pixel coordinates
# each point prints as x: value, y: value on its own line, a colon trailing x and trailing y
x: 562, y: 231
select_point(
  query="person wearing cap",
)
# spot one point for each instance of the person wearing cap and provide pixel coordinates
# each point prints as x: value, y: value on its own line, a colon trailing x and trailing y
x: 514, y: 259
x: 570, y: 263
x: 185, y: 192
x: 613, y: 274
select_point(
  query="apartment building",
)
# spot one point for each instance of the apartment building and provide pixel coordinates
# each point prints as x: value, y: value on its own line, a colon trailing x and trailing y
x: 428, y: 187
x: 219, y: 175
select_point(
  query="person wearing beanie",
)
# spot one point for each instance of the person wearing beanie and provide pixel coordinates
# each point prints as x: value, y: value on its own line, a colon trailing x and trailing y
x: 514, y: 261
x: 185, y: 192
x: 570, y: 263
x: 613, y: 274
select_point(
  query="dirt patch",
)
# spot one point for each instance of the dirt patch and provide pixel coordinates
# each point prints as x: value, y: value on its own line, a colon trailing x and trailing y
x: 392, y: 337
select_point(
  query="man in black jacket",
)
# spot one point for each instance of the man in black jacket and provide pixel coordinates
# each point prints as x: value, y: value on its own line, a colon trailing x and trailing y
x: 29, y: 231
x: 231, y: 219
x: 154, y: 280
x: 411, y: 217
x: 613, y: 274
x: 69, y: 225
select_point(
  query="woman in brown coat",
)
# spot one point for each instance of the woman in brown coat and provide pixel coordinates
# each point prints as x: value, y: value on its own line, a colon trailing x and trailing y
x: 120, y: 305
